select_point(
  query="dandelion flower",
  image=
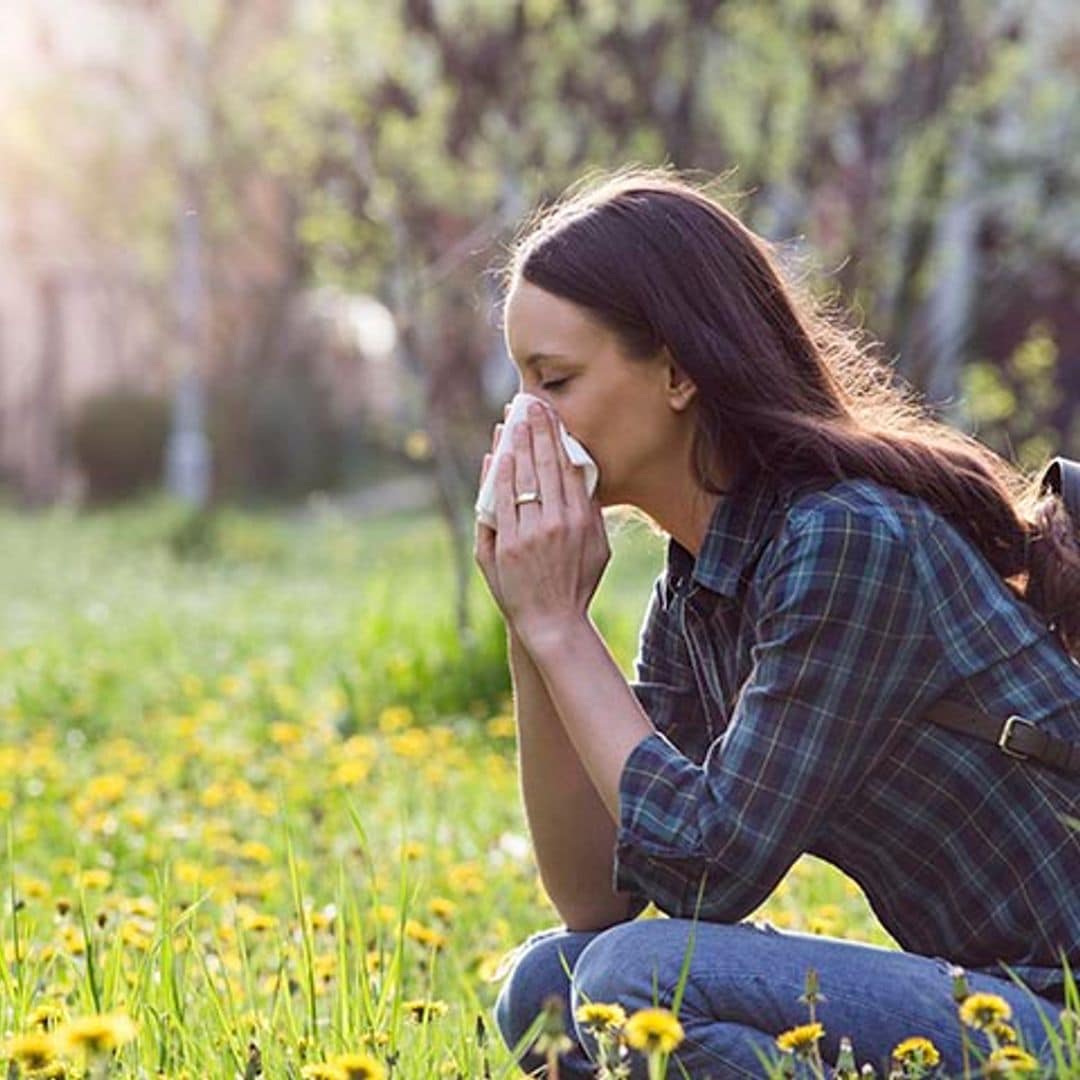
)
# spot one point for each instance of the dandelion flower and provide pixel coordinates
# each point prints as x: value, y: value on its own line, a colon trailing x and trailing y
x: 360, y: 1067
x: 650, y: 1030
x: 424, y: 1010
x: 394, y: 718
x: 32, y: 1052
x: 97, y: 1034
x: 425, y: 935
x: 601, y: 1017
x: 46, y: 1015
x: 256, y: 921
x: 323, y: 1070
x: 502, y: 727
x: 917, y: 1051
x: 800, y: 1039
x: 1002, y: 1032
x: 983, y: 1010
x: 1007, y: 1060
x: 442, y: 908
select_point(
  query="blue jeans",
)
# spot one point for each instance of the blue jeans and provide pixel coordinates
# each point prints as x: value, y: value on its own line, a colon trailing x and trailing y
x: 743, y: 989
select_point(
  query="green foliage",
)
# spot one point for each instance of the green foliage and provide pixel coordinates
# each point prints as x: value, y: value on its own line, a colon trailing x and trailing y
x: 1011, y: 404
x: 118, y: 438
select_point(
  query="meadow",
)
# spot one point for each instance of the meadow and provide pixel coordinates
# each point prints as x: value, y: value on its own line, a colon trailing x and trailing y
x: 259, y: 797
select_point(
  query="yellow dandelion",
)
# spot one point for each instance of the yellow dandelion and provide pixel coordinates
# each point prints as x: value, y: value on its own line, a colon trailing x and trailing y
x: 1003, y: 1032
x: 502, y: 727
x: 983, y: 1010
x: 422, y: 1010
x: 143, y: 906
x: 323, y: 1070
x: 652, y: 1030
x: 132, y: 934
x: 352, y: 771
x: 376, y: 1038
x: 394, y: 718
x: 325, y: 966
x: 323, y: 918
x: 46, y: 1015
x: 74, y: 941
x: 285, y: 734
x: 33, y: 1051
x: 466, y: 877
x: 412, y: 744
x: 442, y: 908
x: 256, y: 921
x: 360, y: 1067
x: 255, y: 851
x: 55, y: 1070
x: 918, y: 1051
x: 601, y: 1017
x: 1008, y: 1060
x: 97, y: 1034
x: 412, y: 850
x: 95, y: 878
x: 33, y: 888
x: 425, y: 935
x: 800, y: 1039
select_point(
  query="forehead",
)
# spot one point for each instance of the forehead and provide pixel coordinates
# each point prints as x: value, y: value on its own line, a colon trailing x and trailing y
x: 541, y: 322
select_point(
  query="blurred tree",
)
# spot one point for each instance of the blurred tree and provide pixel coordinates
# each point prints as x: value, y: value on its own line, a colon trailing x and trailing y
x: 413, y: 133
x: 920, y: 151
x: 1010, y: 403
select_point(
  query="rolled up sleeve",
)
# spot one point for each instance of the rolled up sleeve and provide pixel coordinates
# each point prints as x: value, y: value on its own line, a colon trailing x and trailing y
x: 843, y: 654
x: 665, y: 685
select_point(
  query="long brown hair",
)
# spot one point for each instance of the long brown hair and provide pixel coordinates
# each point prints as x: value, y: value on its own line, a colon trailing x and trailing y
x: 785, y: 385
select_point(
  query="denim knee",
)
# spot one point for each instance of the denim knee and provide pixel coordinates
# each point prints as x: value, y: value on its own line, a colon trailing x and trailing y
x: 618, y: 966
x: 537, y: 972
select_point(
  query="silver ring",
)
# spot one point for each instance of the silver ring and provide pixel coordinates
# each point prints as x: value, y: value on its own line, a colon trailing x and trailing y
x: 527, y: 497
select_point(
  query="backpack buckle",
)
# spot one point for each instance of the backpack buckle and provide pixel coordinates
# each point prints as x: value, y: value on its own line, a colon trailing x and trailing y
x: 1006, y: 731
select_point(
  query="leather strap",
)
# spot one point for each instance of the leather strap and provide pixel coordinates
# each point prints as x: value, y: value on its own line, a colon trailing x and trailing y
x: 1015, y: 736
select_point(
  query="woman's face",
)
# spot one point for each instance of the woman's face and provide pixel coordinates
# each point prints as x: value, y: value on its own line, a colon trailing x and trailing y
x: 624, y: 412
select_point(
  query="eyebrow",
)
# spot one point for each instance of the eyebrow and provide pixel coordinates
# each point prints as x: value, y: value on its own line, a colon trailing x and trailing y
x: 538, y: 356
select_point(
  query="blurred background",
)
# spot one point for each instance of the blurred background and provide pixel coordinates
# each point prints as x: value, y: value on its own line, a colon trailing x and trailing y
x: 247, y: 246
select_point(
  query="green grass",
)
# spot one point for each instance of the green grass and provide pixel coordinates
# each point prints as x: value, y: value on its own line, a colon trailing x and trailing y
x: 263, y: 797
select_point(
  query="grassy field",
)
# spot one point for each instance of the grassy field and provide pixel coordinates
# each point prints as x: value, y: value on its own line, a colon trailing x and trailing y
x: 262, y: 799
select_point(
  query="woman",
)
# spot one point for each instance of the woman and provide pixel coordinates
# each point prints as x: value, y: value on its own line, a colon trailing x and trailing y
x: 837, y: 561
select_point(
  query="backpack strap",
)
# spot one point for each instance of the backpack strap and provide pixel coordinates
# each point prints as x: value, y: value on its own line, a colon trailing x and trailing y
x: 1016, y: 737
x: 1062, y: 477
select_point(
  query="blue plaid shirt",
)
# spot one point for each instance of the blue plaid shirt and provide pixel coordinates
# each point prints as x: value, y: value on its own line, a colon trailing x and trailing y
x: 786, y: 671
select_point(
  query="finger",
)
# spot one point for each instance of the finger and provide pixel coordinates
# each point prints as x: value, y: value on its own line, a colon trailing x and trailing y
x: 484, y: 468
x: 496, y: 437
x: 573, y: 479
x: 546, y: 461
x: 525, y: 471
x: 484, y: 548
x: 505, y: 511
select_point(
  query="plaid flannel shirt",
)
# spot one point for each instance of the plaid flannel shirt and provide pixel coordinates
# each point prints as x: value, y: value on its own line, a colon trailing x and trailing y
x: 786, y: 671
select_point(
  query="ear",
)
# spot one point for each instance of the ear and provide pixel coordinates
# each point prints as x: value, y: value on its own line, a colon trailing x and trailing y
x: 680, y: 387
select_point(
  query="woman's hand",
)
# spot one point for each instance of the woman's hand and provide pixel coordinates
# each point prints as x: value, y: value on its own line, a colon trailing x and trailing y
x: 545, y: 559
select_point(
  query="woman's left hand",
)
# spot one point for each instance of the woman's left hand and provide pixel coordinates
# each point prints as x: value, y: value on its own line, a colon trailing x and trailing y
x: 550, y: 555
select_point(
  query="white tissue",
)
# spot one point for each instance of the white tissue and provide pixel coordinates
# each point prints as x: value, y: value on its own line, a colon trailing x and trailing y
x: 578, y: 455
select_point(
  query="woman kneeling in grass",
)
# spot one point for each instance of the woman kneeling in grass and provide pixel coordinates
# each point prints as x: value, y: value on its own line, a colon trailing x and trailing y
x: 838, y: 562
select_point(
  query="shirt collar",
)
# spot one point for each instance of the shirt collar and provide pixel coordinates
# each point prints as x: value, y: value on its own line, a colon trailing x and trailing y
x: 741, y: 522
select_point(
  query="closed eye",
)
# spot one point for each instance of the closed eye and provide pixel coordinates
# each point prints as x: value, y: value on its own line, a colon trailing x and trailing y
x: 554, y: 384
